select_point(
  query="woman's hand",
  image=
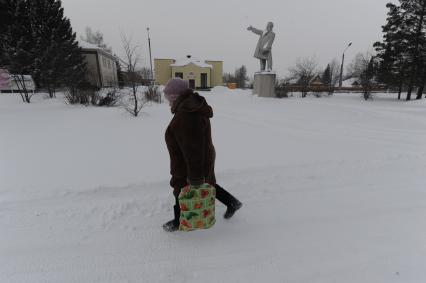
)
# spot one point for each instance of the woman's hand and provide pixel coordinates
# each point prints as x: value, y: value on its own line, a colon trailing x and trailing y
x: 197, y: 182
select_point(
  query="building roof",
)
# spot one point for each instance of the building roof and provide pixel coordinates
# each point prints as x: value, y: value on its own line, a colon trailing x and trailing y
x: 317, y: 81
x: 90, y: 46
x: 190, y: 60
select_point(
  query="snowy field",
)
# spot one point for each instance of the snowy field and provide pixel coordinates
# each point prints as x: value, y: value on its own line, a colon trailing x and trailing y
x: 334, y: 190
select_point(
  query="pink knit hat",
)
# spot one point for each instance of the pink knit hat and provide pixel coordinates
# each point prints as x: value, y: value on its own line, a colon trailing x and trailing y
x: 174, y: 88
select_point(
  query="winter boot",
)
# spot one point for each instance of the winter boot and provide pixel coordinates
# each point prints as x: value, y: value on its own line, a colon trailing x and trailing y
x: 229, y: 200
x: 232, y: 208
x: 173, y: 225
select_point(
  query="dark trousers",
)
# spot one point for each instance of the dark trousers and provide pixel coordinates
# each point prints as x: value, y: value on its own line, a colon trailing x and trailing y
x: 262, y: 64
x: 221, y: 195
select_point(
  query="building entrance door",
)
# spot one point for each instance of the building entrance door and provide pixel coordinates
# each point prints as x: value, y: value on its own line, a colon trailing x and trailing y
x: 192, y: 84
x: 204, y: 80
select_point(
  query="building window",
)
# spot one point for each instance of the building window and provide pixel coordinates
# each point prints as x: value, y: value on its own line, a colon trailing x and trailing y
x: 179, y: 75
x: 109, y: 64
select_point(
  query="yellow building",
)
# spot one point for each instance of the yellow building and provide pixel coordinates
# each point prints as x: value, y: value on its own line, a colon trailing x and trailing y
x: 200, y: 74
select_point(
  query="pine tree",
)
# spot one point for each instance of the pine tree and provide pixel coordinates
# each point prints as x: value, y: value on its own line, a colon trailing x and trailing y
x: 414, y: 13
x: 391, y: 53
x: 16, y: 37
x: 402, y: 54
x: 5, y: 16
x: 327, y: 78
x: 120, y: 76
x: 38, y: 40
x: 16, y: 44
x: 422, y: 80
x: 58, y: 56
x: 241, y: 76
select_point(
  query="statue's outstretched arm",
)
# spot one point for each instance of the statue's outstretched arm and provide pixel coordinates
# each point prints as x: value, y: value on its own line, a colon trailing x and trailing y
x: 255, y: 30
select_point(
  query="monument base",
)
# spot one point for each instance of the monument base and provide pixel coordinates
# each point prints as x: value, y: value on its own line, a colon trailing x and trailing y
x: 264, y: 84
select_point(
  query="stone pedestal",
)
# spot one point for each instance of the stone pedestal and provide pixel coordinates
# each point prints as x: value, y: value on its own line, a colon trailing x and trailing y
x: 264, y: 84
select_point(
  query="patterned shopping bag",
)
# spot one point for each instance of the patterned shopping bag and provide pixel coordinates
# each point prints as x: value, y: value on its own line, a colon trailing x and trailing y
x: 197, y: 207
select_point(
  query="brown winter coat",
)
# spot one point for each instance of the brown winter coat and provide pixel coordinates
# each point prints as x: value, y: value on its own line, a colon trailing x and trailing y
x: 189, y: 141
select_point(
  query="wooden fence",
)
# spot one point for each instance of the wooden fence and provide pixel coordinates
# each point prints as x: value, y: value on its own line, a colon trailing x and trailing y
x: 283, y: 90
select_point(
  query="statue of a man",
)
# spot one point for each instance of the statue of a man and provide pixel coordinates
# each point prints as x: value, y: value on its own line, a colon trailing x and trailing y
x: 264, y: 46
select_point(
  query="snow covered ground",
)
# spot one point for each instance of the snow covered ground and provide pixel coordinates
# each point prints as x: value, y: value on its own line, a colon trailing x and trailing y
x: 334, y: 190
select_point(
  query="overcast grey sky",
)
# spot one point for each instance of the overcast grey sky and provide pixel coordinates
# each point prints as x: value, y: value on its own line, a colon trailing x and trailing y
x: 216, y: 29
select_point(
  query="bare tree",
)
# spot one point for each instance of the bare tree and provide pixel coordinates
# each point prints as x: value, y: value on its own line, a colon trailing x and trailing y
x: 145, y: 73
x: 152, y: 93
x: 21, y: 82
x: 134, y: 100
x: 304, y: 72
x: 364, y: 67
x: 368, y: 77
x: 355, y: 68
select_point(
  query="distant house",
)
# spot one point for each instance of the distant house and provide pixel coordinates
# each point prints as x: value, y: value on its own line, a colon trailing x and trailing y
x: 351, y: 82
x: 356, y: 84
x: 101, y: 66
x: 289, y: 81
x: 200, y: 74
x: 13, y: 83
x: 5, y: 80
x: 317, y: 81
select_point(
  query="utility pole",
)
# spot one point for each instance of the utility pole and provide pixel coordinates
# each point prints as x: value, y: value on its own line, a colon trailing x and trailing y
x: 150, y: 61
x: 150, y: 56
x: 341, y: 67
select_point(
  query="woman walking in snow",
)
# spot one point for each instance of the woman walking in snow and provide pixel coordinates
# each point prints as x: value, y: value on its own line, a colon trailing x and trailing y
x: 189, y: 141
